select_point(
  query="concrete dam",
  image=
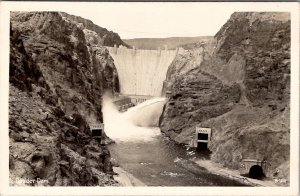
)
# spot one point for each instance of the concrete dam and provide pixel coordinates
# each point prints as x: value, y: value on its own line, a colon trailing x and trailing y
x: 141, y: 72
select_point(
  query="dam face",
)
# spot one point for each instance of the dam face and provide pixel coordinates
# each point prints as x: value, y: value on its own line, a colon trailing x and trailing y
x: 141, y: 72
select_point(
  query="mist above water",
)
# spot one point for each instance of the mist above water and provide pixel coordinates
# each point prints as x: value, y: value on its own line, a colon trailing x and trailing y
x: 137, y: 124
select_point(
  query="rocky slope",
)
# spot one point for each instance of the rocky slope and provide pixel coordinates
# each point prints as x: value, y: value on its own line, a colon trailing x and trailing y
x: 58, y: 74
x: 105, y: 37
x: 237, y: 84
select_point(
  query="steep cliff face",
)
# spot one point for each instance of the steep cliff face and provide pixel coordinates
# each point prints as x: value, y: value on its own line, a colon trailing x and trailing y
x: 107, y: 38
x: 76, y: 70
x: 57, y: 79
x: 238, y: 85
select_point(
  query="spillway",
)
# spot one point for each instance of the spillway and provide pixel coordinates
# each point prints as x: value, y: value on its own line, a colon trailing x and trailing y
x: 141, y: 72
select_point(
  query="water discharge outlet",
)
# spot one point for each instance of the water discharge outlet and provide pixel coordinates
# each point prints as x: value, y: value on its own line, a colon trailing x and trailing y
x: 138, y: 123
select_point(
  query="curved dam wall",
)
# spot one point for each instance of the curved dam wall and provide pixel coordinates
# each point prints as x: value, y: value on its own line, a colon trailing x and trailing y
x: 141, y: 72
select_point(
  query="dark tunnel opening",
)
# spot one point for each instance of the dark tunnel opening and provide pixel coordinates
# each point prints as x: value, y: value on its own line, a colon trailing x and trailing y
x: 256, y: 172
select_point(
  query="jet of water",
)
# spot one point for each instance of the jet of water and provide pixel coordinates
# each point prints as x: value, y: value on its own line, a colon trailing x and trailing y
x: 136, y: 124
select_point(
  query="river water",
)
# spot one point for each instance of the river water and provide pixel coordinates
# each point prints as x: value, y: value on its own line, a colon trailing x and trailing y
x: 151, y: 157
x: 161, y: 162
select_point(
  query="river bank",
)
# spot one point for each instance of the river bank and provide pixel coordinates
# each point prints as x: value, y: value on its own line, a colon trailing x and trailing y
x: 217, y: 169
x: 126, y: 179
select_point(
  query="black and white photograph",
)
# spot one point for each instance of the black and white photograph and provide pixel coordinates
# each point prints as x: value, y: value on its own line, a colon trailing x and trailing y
x: 152, y: 94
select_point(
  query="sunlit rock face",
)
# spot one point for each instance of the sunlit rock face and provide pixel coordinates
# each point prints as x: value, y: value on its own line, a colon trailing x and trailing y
x: 240, y: 87
x: 141, y: 72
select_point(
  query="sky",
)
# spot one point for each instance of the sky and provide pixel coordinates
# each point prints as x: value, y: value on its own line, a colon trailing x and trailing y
x: 155, y: 20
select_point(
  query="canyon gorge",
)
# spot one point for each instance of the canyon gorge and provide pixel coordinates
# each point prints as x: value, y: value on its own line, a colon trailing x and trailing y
x: 65, y: 71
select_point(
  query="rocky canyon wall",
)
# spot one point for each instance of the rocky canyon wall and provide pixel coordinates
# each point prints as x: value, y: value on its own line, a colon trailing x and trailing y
x: 239, y: 85
x: 59, y: 70
x: 141, y: 72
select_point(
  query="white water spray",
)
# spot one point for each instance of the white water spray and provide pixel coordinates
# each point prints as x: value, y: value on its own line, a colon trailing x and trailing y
x: 134, y: 125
